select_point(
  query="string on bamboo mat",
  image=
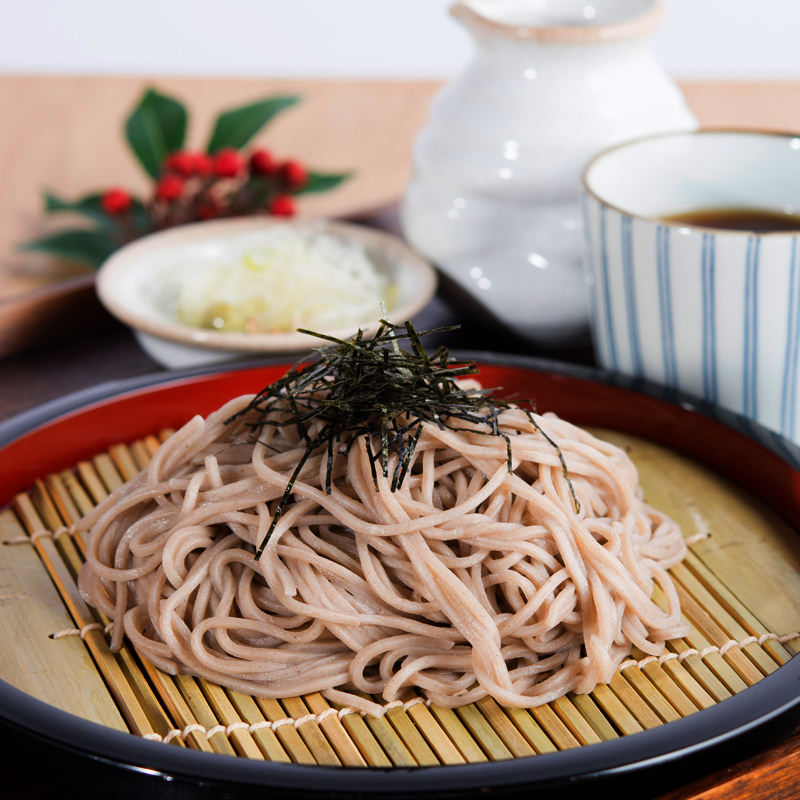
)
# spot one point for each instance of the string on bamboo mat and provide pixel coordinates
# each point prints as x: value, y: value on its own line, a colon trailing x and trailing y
x: 34, y: 536
x: 405, y: 705
x: 273, y: 725
x: 92, y: 626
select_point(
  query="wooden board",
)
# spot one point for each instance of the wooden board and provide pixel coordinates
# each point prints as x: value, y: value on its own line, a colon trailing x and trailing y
x: 744, y: 626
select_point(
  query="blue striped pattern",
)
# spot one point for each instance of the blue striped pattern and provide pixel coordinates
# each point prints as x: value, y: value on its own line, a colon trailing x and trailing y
x: 626, y: 233
x: 789, y: 388
x: 611, y: 343
x: 750, y: 371
x: 590, y: 265
x: 665, y: 306
x: 708, y: 266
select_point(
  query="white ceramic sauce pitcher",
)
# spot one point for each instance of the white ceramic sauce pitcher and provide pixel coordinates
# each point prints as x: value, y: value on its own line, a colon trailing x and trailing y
x: 493, y: 198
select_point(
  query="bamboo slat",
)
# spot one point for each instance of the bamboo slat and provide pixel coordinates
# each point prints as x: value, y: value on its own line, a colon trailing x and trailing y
x: 483, y: 733
x: 264, y: 736
x: 394, y: 747
x: 436, y: 735
x: 310, y: 731
x: 469, y: 748
x: 147, y: 700
x: 83, y: 618
x: 615, y: 711
x: 701, y: 672
x: 32, y: 613
x: 644, y: 715
x: 557, y: 732
x: 182, y: 716
x: 367, y: 744
x: 332, y: 726
x: 287, y: 734
x: 410, y: 735
x: 572, y: 717
x: 501, y: 723
x: 650, y: 694
x: 732, y: 643
x: 225, y: 714
x: 535, y: 734
x: 690, y: 686
x: 594, y: 716
x: 670, y: 689
x: 203, y: 714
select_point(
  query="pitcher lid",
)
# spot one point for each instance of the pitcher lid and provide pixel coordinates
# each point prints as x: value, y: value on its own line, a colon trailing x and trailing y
x: 561, y: 21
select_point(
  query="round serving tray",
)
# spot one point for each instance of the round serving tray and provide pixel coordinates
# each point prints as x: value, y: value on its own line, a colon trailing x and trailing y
x: 100, y: 761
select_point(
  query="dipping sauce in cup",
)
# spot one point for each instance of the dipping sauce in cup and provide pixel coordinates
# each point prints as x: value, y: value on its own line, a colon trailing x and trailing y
x: 693, y: 263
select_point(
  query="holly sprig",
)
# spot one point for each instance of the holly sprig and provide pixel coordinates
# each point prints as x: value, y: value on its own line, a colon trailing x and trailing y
x: 221, y: 180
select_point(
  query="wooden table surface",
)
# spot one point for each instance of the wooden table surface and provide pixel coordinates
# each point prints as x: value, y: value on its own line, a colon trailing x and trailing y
x: 64, y: 134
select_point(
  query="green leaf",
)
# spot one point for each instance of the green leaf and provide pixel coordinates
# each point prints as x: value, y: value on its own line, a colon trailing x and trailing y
x: 237, y: 126
x: 323, y: 181
x: 142, y: 223
x: 91, y: 206
x: 92, y: 247
x: 155, y: 128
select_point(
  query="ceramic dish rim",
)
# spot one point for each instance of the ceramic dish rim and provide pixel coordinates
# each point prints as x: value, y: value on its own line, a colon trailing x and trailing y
x: 124, y: 259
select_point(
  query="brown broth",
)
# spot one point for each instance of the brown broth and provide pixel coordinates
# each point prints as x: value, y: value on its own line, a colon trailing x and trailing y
x: 758, y: 220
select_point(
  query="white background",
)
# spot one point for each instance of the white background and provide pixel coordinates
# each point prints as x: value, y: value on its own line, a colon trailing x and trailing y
x: 369, y: 38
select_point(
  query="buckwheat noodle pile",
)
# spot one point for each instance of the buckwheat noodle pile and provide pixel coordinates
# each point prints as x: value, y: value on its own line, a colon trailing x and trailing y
x: 475, y: 575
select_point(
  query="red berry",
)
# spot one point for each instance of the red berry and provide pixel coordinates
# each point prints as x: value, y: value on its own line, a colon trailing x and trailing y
x: 116, y: 201
x: 262, y: 162
x: 170, y: 187
x: 187, y: 164
x: 202, y: 164
x: 293, y: 174
x: 228, y: 163
x: 180, y: 162
x: 281, y: 206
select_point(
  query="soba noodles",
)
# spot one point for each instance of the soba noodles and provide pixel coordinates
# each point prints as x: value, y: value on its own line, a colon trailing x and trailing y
x: 467, y: 580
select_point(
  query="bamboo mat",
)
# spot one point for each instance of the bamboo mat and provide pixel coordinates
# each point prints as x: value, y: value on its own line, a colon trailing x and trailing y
x: 739, y: 588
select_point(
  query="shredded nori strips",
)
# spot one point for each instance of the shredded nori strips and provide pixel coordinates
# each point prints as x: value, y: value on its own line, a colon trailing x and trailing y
x: 371, y: 387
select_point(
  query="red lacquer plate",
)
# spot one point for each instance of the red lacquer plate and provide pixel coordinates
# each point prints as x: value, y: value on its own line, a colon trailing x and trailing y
x: 59, y: 434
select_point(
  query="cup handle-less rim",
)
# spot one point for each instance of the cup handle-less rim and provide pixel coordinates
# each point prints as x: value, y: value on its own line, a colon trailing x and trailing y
x: 753, y: 132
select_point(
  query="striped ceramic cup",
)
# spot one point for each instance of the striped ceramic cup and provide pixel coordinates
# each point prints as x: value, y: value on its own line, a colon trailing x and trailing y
x: 710, y: 311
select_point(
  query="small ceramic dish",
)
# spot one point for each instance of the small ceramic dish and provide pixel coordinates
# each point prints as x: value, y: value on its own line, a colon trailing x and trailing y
x: 137, y: 284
